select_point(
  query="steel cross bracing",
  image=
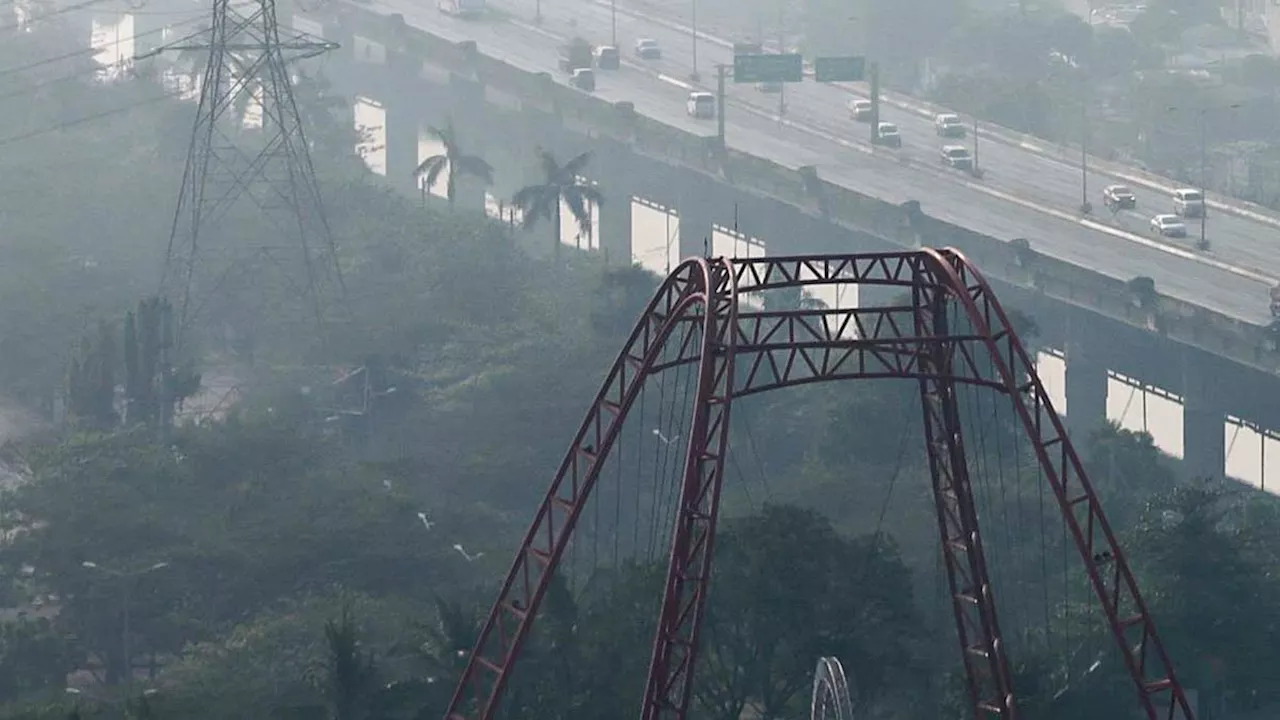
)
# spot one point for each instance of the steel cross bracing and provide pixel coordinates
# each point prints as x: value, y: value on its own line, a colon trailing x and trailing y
x: 670, y: 685
x: 972, y: 600
x: 696, y: 286
x: 1150, y: 667
x: 744, y: 351
x: 246, y: 66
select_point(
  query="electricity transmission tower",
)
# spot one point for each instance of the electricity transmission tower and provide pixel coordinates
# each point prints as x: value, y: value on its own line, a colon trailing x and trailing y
x: 248, y: 144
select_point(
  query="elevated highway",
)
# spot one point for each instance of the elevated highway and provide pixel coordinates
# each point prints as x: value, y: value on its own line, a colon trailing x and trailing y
x: 806, y: 184
x: 1024, y: 194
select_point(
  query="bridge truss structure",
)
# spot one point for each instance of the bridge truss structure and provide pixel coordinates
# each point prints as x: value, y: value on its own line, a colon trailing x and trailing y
x: 948, y: 331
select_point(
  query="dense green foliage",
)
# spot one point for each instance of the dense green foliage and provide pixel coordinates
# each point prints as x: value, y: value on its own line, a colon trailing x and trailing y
x: 315, y: 551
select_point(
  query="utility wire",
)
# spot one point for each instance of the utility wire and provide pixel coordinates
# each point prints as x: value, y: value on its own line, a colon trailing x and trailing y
x: 87, y: 119
x: 90, y: 51
x: 54, y: 13
x: 36, y: 87
x: 136, y: 13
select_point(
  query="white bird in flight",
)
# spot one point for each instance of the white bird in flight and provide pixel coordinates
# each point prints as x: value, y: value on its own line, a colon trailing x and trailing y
x: 425, y: 522
x: 665, y: 440
x: 469, y: 557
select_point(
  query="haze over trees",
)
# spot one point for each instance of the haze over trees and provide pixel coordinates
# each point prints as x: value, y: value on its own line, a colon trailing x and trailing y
x: 313, y: 548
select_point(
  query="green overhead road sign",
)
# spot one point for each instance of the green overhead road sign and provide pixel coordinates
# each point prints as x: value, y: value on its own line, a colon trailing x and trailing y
x: 852, y: 68
x: 768, y: 68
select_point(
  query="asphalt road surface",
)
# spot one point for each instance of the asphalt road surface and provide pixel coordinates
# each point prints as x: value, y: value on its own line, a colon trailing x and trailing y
x: 1021, y: 195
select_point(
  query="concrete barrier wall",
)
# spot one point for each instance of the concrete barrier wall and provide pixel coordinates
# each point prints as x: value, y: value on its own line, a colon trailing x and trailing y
x: 1183, y: 322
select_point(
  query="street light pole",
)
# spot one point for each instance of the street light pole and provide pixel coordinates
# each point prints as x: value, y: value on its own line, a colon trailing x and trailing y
x: 613, y: 20
x: 126, y: 595
x: 1085, y: 205
x: 694, y: 23
x: 721, y: 71
x: 782, y: 48
x: 1204, y: 182
x: 1203, y: 242
x: 537, y: 11
x: 975, y: 145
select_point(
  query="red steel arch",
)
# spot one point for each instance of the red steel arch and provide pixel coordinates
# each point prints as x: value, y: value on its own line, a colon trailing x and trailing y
x: 743, y: 352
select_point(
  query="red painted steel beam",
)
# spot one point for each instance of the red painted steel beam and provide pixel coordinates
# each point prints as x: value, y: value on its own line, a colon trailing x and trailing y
x: 793, y: 347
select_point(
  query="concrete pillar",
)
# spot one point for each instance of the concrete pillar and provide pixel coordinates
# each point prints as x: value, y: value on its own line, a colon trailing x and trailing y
x: 404, y: 120
x: 1086, y: 380
x: 540, y: 240
x: 615, y: 211
x: 694, y: 209
x: 1203, y: 418
x: 148, y: 32
x: 343, y: 68
x: 402, y: 146
x: 508, y: 173
x: 537, y: 130
x: 466, y: 114
x: 615, y: 228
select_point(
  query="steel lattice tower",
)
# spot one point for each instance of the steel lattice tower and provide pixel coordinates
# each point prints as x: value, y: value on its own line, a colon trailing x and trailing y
x: 229, y: 161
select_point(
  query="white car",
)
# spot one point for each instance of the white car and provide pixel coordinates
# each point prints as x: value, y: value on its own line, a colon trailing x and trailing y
x: 888, y: 134
x: 701, y: 105
x: 957, y: 156
x: 1188, y: 202
x: 1168, y: 226
x: 648, y: 49
x: 948, y: 125
x: 860, y: 110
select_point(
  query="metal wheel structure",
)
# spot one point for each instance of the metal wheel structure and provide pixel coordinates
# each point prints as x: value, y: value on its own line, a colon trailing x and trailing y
x: 951, y: 332
x: 831, y: 697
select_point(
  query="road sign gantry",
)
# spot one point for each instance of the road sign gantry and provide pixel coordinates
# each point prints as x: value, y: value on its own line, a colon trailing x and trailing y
x: 763, y: 68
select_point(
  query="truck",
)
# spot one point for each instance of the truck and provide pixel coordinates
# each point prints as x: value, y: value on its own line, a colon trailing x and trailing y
x: 576, y: 55
x: 461, y: 8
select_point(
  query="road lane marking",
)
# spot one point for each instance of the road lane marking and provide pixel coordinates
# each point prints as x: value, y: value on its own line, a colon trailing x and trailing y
x: 991, y: 192
x: 1099, y: 165
x: 673, y: 81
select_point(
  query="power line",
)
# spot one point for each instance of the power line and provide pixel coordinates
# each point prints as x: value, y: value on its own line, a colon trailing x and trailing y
x: 90, y: 51
x: 88, y: 118
x: 159, y: 12
x: 54, y: 13
x: 78, y: 75
x: 37, y: 87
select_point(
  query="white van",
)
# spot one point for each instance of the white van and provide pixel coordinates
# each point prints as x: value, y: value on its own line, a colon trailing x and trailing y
x: 1188, y: 202
x: 701, y: 105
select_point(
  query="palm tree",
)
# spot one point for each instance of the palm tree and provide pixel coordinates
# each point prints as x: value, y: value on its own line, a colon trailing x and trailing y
x: 452, y: 161
x: 562, y: 184
x: 352, y: 673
